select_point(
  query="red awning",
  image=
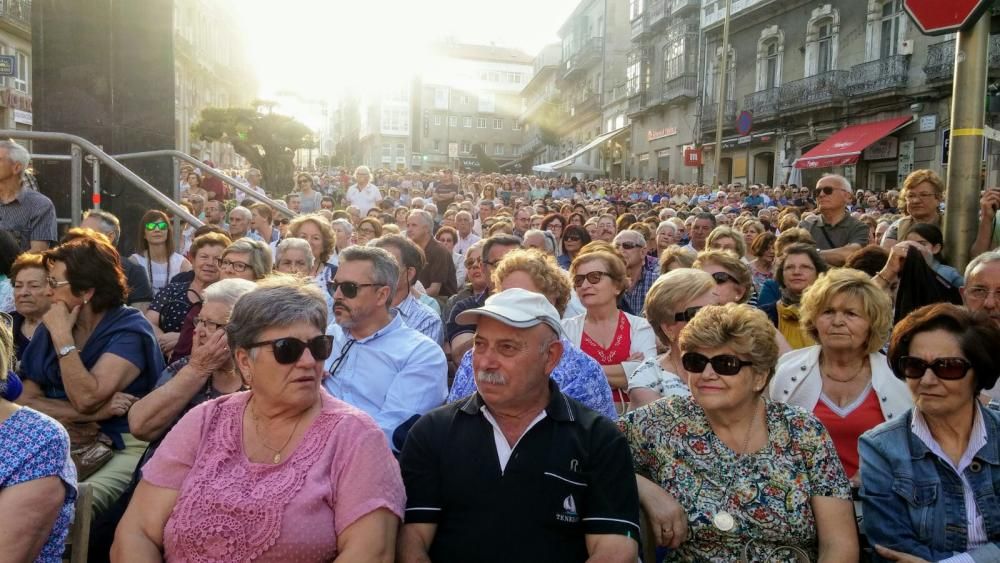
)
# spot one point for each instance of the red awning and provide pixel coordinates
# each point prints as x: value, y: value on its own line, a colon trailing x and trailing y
x: 845, y: 146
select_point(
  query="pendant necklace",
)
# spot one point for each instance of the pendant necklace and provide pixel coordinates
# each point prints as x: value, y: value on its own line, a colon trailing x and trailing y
x: 277, y: 452
x: 723, y: 520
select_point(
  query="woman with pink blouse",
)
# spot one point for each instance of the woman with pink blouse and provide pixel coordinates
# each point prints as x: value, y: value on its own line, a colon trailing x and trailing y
x: 283, y: 472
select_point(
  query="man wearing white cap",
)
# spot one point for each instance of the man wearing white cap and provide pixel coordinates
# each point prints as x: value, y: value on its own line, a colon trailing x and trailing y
x: 517, y: 456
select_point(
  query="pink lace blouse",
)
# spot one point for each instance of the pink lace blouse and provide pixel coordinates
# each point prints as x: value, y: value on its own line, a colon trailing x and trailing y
x: 231, y: 509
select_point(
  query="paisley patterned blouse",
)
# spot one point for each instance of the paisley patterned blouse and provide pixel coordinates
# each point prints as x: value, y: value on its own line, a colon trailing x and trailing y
x: 767, y: 492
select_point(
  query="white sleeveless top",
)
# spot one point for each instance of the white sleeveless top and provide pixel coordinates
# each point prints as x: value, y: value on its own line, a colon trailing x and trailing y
x: 159, y: 274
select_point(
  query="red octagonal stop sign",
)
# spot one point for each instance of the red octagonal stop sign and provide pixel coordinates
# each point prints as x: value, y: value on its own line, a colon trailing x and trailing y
x: 938, y: 17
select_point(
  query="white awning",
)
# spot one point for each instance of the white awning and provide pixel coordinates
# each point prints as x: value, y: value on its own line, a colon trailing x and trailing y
x: 567, y: 162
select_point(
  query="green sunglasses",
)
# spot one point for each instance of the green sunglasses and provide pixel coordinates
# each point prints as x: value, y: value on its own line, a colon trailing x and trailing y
x: 157, y: 226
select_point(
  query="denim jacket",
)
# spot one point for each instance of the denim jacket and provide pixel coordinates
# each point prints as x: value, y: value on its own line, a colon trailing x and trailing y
x: 913, y: 501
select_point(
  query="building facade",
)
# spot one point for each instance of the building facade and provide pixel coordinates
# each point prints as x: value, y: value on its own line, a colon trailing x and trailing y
x: 210, y: 70
x: 542, y: 108
x: 384, y: 128
x: 15, y: 70
x: 807, y: 70
x: 470, y: 99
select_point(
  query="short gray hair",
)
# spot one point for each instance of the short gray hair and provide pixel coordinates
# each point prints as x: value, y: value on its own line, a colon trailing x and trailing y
x: 110, y: 225
x: 549, y: 238
x: 364, y: 169
x: 292, y: 243
x: 844, y: 182
x: 982, y: 259
x: 385, y: 270
x: 260, y: 254
x: 240, y: 210
x: 343, y: 224
x: 277, y: 301
x: 227, y: 292
x: 16, y: 152
x: 629, y: 233
x: 427, y: 218
x: 667, y: 225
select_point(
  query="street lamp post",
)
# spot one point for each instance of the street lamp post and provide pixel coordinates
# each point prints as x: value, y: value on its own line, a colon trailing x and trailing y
x: 721, y: 100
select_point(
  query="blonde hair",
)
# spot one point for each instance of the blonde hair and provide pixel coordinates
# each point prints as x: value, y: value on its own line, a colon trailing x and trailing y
x: 854, y: 283
x: 675, y: 254
x: 609, y: 255
x: 544, y: 272
x: 732, y: 264
x: 6, y: 349
x: 792, y: 236
x: 722, y: 231
x: 918, y: 177
x: 744, y: 329
x: 668, y: 291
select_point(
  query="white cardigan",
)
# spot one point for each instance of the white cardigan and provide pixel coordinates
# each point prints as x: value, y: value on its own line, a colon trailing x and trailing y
x: 641, y: 334
x: 798, y: 382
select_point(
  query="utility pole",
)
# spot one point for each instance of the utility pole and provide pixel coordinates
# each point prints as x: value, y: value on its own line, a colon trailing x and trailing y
x: 961, y: 218
x: 721, y: 98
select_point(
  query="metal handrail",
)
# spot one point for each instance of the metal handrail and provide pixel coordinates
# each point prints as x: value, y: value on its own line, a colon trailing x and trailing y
x: 79, y: 144
x: 236, y: 184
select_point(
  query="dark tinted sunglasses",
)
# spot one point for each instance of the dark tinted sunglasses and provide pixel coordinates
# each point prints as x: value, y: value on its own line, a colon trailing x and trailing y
x: 686, y: 315
x: 723, y: 364
x: 279, y: 222
x: 288, y: 350
x: 951, y: 369
x: 825, y: 190
x: 349, y: 289
x: 723, y: 277
x: 593, y: 277
x: 628, y: 245
x: 572, y: 238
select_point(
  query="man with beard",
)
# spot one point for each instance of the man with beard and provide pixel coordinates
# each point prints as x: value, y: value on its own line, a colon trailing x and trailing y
x: 379, y: 365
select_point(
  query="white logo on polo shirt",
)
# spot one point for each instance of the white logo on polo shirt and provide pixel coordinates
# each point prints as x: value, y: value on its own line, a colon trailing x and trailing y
x: 569, y: 514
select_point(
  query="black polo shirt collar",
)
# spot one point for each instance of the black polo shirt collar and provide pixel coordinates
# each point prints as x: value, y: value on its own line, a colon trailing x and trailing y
x: 557, y: 409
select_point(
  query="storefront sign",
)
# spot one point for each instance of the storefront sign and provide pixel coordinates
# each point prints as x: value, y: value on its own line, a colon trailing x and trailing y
x: 928, y: 123
x: 663, y: 153
x: 8, y: 65
x: 692, y: 156
x: 906, y: 149
x: 24, y: 117
x: 886, y: 147
x: 654, y: 134
x: 644, y: 157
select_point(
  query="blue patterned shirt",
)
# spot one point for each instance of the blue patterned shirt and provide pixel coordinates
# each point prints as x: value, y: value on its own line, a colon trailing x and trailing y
x: 578, y: 375
x: 421, y: 318
x: 35, y: 446
x: 633, y: 299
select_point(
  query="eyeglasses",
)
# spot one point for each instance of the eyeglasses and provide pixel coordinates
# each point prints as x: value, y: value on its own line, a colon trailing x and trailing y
x: 686, y: 315
x: 349, y: 289
x: 593, y: 277
x: 239, y: 267
x: 157, y: 226
x: 288, y: 350
x: 304, y: 182
x: 209, y: 325
x: 368, y: 232
x: 825, y: 190
x: 723, y: 277
x: 54, y: 283
x: 920, y: 195
x: 572, y: 238
x: 627, y: 245
x: 980, y: 293
x: 475, y: 263
x: 279, y: 222
x: 944, y: 368
x: 723, y: 364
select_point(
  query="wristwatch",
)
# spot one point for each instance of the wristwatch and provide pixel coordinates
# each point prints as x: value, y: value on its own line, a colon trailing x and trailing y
x: 66, y: 350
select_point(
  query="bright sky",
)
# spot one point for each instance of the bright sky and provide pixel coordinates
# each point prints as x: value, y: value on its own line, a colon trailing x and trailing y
x: 317, y: 47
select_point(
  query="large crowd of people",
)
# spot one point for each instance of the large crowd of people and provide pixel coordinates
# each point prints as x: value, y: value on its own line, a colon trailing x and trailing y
x: 431, y: 366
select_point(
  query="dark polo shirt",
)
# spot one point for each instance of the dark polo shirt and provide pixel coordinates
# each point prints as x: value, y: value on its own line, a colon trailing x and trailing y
x: 569, y: 475
x: 440, y: 268
x: 30, y: 216
x: 828, y: 237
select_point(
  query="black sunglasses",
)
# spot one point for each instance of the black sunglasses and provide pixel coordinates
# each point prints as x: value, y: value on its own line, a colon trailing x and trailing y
x: 628, y: 245
x: 723, y: 364
x: 278, y: 222
x: 951, y: 369
x: 572, y: 238
x: 825, y: 190
x: 723, y: 277
x: 686, y: 315
x: 288, y: 350
x: 349, y: 289
x: 593, y: 277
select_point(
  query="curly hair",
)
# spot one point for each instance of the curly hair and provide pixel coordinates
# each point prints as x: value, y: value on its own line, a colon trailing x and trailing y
x: 550, y: 279
x: 91, y: 263
x: 743, y: 329
x: 609, y: 256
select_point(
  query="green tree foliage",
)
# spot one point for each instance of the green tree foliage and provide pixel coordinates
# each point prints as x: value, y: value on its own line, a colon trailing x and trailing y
x: 486, y: 164
x: 267, y: 140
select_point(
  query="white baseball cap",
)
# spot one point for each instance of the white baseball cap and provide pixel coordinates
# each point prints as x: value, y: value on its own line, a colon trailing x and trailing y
x: 518, y: 308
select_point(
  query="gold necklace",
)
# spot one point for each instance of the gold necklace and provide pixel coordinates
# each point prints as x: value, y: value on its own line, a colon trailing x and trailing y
x: 858, y: 373
x: 277, y: 452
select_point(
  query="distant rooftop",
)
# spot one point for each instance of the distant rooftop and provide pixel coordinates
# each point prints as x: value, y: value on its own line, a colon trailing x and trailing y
x: 490, y: 53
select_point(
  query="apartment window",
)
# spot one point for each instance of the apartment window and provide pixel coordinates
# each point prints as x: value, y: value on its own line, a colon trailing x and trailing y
x: 633, y: 69
x: 22, y: 72
x: 497, y: 123
x: 437, y: 145
x: 463, y: 99
x: 487, y: 103
x: 467, y: 122
x: 437, y: 119
x: 515, y: 126
x: 466, y: 147
x: 441, y: 98
x: 515, y: 150
x: 498, y: 149
x: 481, y: 123
x: 821, y: 40
x: 400, y: 149
x: 889, y: 28
x: 769, y: 53
x: 825, y: 61
x: 634, y: 9
x: 386, y: 150
x: 673, y: 59
x: 771, y: 65
x: 452, y: 121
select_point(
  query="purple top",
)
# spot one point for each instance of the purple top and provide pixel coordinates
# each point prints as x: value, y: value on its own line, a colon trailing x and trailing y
x: 232, y: 509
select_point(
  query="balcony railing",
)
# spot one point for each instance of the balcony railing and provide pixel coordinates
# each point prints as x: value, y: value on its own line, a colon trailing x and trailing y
x: 636, y: 102
x: 762, y: 104
x: 823, y: 88
x: 640, y: 27
x: 681, y: 7
x: 584, y: 103
x: 940, y: 64
x: 681, y: 86
x: 591, y: 51
x: 17, y: 12
x: 618, y: 92
x: 709, y: 114
x: 657, y: 12
x: 879, y: 75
